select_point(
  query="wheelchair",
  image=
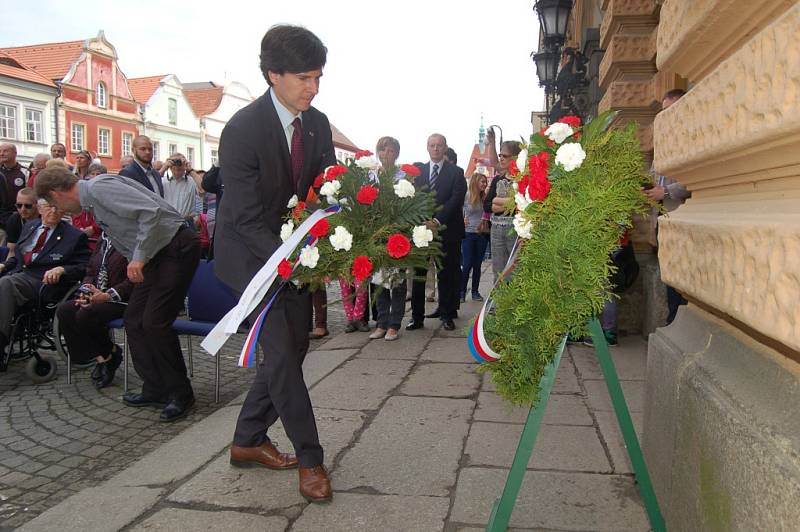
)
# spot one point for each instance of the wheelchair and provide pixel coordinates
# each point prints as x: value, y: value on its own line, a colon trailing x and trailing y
x: 32, y: 331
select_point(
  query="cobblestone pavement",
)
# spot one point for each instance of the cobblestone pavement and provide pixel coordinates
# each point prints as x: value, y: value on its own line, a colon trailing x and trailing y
x: 57, y: 438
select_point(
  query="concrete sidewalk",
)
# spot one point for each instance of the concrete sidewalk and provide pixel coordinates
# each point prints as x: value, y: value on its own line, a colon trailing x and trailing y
x: 415, y: 439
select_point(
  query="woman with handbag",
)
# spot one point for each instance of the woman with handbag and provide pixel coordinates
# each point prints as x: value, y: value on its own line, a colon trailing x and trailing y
x: 473, y: 247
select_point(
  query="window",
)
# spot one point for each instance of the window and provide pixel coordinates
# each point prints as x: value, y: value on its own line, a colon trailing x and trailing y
x: 214, y: 157
x: 102, y: 99
x: 173, y: 111
x: 8, y: 121
x: 173, y: 149
x: 127, y: 143
x: 78, y: 137
x: 103, y: 141
x: 156, y: 150
x: 33, y: 125
x: 190, y: 155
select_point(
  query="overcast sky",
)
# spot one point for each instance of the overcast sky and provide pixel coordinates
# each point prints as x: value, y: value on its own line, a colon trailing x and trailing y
x: 405, y: 69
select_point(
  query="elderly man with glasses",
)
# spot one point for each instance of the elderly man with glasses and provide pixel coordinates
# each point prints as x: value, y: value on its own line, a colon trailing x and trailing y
x: 27, y: 210
x: 49, y: 252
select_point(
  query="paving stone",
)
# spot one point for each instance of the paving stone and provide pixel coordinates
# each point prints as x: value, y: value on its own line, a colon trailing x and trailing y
x: 318, y: 364
x: 355, y: 340
x: 609, y: 430
x: 630, y: 359
x: 262, y: 489
x: 177, y: 520
x: 566, y: 379
x: 561, y: 410
x: 360, y: 384
x: 561, y: 447
x: 442, y: 380
x: 94, y: 503
x: 448, y: 350
x: 599, y: 400
x: 553, y: 500
x: 423, y: 438
x: 408, y: 346
x: 360, y: 512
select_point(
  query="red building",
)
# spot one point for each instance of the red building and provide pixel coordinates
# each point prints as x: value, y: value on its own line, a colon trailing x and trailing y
x: 96, y: 111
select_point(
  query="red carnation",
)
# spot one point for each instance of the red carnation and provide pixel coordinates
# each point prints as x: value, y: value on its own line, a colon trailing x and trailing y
x: 298, y: 209
x: 541, y: 132
x: 285, y: 269
x: 320, y: 229
x: 398, y: 246
x: 571, y: 120
x: 362, y: 267
x: 319, y: 180
x: 523, y: 184
x: 367, y: 195
x: 539, y: 188
x: 363, y: 153
x: 335, y: 171
x: 512, y: 167
x: 538, y: 164
x: 410, y: 170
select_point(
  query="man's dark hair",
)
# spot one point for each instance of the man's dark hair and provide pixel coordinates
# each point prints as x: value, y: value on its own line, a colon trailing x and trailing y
x: 54, y: 178
x: 674, y: 94
x: 451, y: 155
x: 292, y: 49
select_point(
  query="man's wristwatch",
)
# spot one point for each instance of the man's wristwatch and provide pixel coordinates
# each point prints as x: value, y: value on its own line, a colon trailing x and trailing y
x: 666, y: 193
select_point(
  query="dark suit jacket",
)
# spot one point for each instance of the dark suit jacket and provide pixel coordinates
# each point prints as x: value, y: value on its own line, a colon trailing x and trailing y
x: 135, y: 172
x: 67, y: 247
x: 451, y: 187
x: 255, y: 160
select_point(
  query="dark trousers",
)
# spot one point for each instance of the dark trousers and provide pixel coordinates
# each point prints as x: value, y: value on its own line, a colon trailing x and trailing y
x: 278, y: 390
x: 320, y: 301
x: 16, y: 290
x: 85, y: 329
x: 153, y: 307
x: 391, y: 306
x: 449, y: 280
x: 674, y: 300
x: 473, y: 248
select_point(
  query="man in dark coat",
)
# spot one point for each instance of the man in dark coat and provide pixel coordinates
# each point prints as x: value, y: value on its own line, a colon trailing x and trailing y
x: 141, y: 169
x: 270, y: 150
x: 49, y: 252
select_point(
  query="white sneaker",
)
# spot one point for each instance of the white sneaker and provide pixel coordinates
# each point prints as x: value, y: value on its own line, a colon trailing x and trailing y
x: 377, y: 333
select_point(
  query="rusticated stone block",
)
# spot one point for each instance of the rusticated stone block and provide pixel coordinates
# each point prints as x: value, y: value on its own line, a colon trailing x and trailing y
x: 628, y: 16
x: 695, y: 36
x: 628, y: 55
x: 746, y: 108
x: 631, y: 95
x: 742, y: 258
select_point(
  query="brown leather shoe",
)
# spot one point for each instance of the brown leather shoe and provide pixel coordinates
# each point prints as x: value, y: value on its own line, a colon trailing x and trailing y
x: 265, y: 455
x: 315, y: 485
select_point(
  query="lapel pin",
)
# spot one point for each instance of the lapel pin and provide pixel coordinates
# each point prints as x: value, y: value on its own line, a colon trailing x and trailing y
x: 310, y: 133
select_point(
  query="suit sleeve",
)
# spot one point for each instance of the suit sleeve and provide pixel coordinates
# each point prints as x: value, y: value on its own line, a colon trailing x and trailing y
x: 127, y: 172
x: 455, y: 203
x: 245, y: 190
x: 75, y: 266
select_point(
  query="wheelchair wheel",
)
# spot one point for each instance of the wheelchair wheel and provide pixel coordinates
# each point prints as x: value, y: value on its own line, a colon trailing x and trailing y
x: 42, y: 369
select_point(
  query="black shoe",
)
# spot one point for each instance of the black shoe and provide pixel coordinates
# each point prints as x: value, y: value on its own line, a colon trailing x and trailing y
x: 362, y: 326
x: 176, y: 409
x: 435, y: 314
x: 109, y: 368
x: 413, y: 325
x: 137, y: 400
x: 350, y: 327
x: 448, y: 325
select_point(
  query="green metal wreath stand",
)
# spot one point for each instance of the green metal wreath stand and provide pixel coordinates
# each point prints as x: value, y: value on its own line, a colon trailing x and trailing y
x: 503, y: 506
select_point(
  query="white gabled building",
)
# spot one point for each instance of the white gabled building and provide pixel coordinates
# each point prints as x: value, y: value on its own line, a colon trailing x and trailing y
x: 167, y: 117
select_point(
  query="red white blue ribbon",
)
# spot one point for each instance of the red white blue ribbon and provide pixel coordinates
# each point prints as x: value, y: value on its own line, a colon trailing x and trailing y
x: 255, y: 292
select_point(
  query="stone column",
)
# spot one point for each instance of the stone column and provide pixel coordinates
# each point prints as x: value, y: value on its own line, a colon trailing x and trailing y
x: 721, y: 428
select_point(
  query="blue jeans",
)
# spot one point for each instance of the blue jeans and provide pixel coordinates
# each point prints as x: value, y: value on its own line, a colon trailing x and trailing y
x: 473, y: 248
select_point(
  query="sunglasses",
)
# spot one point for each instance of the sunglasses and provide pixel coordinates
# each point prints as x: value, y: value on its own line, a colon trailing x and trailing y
x: 504, y: 156
x: 25, y: 205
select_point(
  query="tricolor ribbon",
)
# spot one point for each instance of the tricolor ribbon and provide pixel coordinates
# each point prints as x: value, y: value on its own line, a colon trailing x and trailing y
x: 479, y: 347
x: 256, y: 291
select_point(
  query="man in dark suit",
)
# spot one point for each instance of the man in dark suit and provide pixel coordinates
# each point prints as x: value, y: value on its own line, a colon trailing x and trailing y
x: 141, y: 169
x: 270, y: 150
x: 447, y: 181
x: 49, y: 252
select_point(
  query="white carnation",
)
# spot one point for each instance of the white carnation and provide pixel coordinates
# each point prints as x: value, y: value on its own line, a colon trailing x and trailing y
x: 558, y: 132
x: 570, y: 156
x: 341, y: 239
x: 522, y: 160
x: 522, y: 226
x: 522, y: 201
x: 286, y: 230
x: 309, y: 256
x: 422, y: 236
x: 330, y: 188
x: 370, y: 163
x: 292, y: 202
x: 404, y: 189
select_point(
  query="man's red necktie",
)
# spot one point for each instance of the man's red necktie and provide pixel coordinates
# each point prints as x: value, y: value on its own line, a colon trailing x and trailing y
x: 298, y: 152
x: 28, y: 257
